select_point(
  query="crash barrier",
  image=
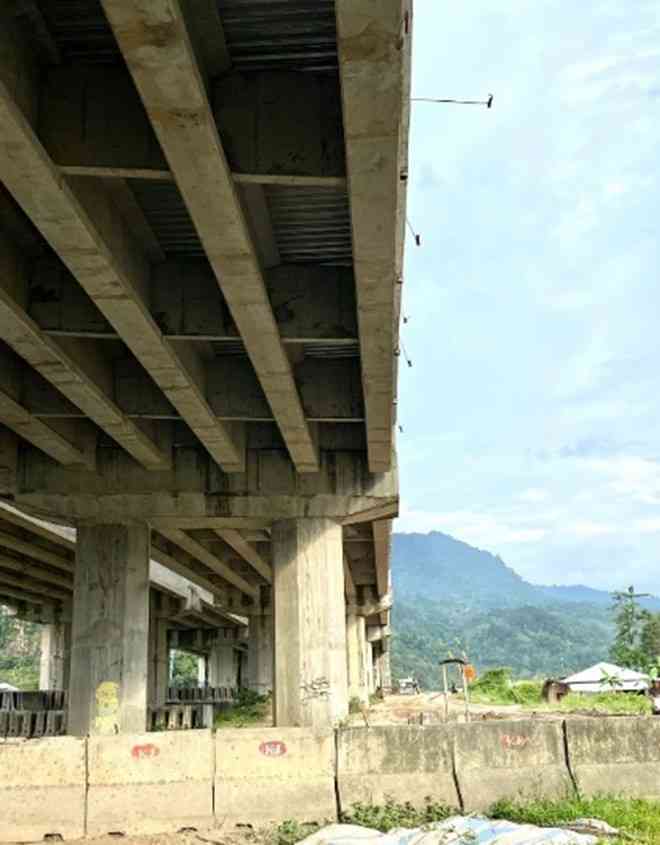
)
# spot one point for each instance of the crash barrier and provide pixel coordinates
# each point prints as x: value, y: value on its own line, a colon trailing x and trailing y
x: 495, y: 760
x: 167, y: 781
x: 616, y: 755
x: 405, y: 763
x: 32, y: 714
x: 177, y: 717
x: 268, y: 775
x: 31, y: 724
x: 149, y: 783
x: 42, y: 789
x: 204, y: 694
x: 33, y: 700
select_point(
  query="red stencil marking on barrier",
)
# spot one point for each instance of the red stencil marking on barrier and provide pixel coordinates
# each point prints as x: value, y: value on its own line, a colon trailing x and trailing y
x: 149, y: 750
x: 273, y: 748
x: 509, y: 741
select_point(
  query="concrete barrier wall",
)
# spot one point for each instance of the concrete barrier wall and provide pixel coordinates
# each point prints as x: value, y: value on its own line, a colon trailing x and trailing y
x: 616, y: 755
x: 495, y: 760
x: 160, y: 782
x: 405, y: 763
x: 150, y: 783
x: 42, y: 789
x: 268, y: 775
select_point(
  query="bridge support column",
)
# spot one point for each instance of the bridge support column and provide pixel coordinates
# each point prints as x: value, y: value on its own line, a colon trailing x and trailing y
x: 385, y: 668
x: 371, y: 675
x: 311, y: 686
x: 55, y: 664
x: 109, y: 658
x: 222, y: 664
x: 159, y: 655
x: 260, y: 650
x: 356, y: 642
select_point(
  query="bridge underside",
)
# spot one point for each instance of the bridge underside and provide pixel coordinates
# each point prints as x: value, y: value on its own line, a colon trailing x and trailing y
x: 202, y: 208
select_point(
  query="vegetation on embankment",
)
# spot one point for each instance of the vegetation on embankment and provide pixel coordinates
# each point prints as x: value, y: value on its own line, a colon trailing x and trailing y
x: 20, y: 648
x: 250, y: 709
x: 638, y: 820
x: 496, y: 687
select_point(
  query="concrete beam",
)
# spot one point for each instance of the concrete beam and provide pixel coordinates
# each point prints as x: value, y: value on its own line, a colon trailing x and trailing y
x: 29, y: 584
x: 184, y: 569
x: 374, y: 61
x: 246, y: 551
x: 219, y: 567
x: 84, y: 228
x: 38, y: 573
x: 18, y: 594
x: 312, y: 305
x: 53, y: 533
x: 382, y: 531
x: 277, y: 128
x: 27, y: 426
x: 33, y: 550
x: 167, y: 75
x: 73, y: 368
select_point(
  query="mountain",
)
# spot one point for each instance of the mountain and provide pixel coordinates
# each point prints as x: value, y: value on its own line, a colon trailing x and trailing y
x: 439, y: 567
x: 454, y: 599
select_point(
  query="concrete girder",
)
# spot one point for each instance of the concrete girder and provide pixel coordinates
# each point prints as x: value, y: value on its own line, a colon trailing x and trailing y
x: 53, y: 533
x: 201, y: 553
x: 374, y: 61
x: 10, y: 594
x: 276, y: 127
x: 39, y: 573
x: 36, y: 432
x: 84, y: 228
x: 312, y: 305
x: 76, y: 371
x: 166, y: 74
x: 31, y: 549
x: 235, y: 539
x: 29, y: 584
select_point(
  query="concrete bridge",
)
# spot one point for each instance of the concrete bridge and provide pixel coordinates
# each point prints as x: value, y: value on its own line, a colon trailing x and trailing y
x: 202, y: 215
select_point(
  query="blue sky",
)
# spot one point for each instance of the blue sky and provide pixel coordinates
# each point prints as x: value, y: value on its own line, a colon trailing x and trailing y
x: 531, y: 415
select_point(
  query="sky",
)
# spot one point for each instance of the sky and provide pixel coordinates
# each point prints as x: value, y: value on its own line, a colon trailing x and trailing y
x: 531, y: 414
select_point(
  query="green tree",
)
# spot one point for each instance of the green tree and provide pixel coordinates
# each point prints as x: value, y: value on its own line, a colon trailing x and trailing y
x: 629, y: 618
x: 650, y: 637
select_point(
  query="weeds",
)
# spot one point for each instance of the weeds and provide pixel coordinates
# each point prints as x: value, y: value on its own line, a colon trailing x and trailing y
x: 290, y: 832
x: 387, y: 816
x: 638, y: 820
x: 249, y: 709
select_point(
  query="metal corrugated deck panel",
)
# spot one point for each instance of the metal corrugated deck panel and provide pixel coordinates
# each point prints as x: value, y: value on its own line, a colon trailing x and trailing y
x: 311, y: 225
x: 280, y: 34
x: 168, y: 216
x: 260, y: 34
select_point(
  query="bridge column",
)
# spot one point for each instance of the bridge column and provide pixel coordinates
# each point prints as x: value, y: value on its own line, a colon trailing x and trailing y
x: 260, y: 647
x: 108, y: 690
x: 159, y: 655
x: 222, y: 664
x: 385, y: 667
x: 55, y: 663
x: 310, y: 626
x: 356, y: 641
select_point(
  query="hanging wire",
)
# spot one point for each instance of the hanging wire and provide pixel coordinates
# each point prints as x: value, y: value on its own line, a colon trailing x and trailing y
x: 488, y: 103
x: 418, y: 238
x: 405, y: 354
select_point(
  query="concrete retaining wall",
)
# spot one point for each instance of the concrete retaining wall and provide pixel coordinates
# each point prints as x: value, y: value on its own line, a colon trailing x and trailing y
x: 495, y: 760
x: 150, y: 783
x: 160, y: 782
x: 267, y: 775
x: 42, y: 789
x: 404, y: 763
x: 619, y: 755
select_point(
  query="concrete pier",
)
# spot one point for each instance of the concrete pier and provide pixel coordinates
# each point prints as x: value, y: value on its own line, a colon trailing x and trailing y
x: 55, y: 663
x: 260, y: 650
x: 223, y: 664
x: 356, y: 643
x: 159, y: 655
x: 108, y: 690
x: 311, y: 686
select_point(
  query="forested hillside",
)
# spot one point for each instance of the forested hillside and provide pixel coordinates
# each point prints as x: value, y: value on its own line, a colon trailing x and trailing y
x: 19, y: 651
x: 453, y: 599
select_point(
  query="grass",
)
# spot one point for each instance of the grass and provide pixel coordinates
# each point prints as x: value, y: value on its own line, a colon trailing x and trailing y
x: 250, y: 709
x: 387, y: 816
x: 639, y: 820
x: 496, y: 687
